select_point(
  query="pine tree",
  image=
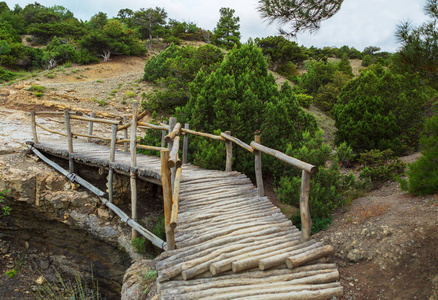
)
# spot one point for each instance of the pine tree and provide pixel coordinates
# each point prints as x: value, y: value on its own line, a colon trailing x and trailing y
x: 227, y: 34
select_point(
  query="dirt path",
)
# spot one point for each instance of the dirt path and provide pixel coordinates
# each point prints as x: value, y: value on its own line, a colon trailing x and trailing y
x: 386, y: 242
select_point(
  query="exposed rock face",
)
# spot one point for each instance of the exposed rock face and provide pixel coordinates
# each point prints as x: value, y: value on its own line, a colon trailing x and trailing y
x: 139, y: 281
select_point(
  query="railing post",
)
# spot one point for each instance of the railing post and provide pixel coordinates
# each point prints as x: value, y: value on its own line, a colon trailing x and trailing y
x: 33, y: 124
x: 229, y: 146
x: 112, y: 159
x: 306, y: 221
x: 167, y: 198
x: 90, y: 127
x: 185, y: 144
x: 163, y: 135
x: 125, y: 135
x: 71, y: 167
x: 172, y: 123
x: 133, y: 145
x: 258, y: 168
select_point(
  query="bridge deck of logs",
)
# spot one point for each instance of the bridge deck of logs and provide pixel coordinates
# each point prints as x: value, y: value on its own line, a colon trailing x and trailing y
x: 224, y: 238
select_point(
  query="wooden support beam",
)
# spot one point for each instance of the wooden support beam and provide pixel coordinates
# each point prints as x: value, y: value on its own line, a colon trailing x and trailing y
x: 90, y: 127
x: 185, y: 145
x: 125, y: 134
x: 111, y: 160
x: 33, y: 124
x: 172, y: 123
x: 258, y: 168
x: 306, y: 221
x: 175, y: 199
x: 167, y: 199
x: 70, y: 140
x: 229, y: 147
x: 173, y: 159
x: 163, y: 135
x: 133, y: 144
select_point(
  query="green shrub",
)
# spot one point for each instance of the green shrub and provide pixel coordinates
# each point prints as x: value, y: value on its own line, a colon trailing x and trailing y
x: 327, y: 95
x: 329, y: 188
x: 139, y: 245
x: 101, y: 102
x: 380, y: 110
x: 367, y: 61
x: 423, y: 174
x: 159, y: 229
x: 172, y: 71
x: 319, y: 74
x: 6, y: 75
x: 304, y: 100
x: 37, y: 88
x: 39, y: 94
x: 130, y: 94
x: 380, y: 166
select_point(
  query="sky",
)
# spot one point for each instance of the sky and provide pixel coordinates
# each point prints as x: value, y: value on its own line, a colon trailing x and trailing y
x: 359, y: 23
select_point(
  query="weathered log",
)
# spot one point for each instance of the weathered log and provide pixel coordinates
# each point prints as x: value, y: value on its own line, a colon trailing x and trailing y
x: 258, y: 168
x: 172, y: 123
x: 125, y: 135
x: 50, y: 130
x: 237, y: 141
x: 298, y: 260
x: 276, y: 260
x: 105, y: 121
x: 306, y: 221
x: 74, y: 134
x: 185, y: 145
x: 111, y: 160
x: 170, y: 256
x: 254, y: 260
x: 226, y: 264
x: 288, y: 159
x: 151, y: 126
x: 175, y: 199
x: 229, y: 159
x: 173, y: 158
x: 175, y: 131
x: 133, y: 182
x: 163, y: 134
x: 269, y: 291
x: 33, y: 124
x: 207, y: 135
x: 167, y: 199
x: 150, y: 147
x: 90, y: 127
x: 236, y: 280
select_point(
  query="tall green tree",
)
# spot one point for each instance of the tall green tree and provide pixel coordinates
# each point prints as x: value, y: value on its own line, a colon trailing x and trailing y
x: 227, y: 34
x: 242, y: 96
x: 280, y: 51
x: 148, y: 19
x: 419, y: 46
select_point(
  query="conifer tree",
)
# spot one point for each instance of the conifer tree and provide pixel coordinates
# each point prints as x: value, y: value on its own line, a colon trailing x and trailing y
x: 227, y: 34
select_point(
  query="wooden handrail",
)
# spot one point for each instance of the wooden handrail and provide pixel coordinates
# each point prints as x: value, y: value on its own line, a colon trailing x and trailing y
x: 237, y: 141
x: 175, y: 131
x: 208, y: 135
x: 104, y: 121
x: 175, y: 199
x: 286, y: 158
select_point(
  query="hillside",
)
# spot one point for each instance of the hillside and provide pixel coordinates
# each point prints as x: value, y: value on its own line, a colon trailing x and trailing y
x: 385, y: 241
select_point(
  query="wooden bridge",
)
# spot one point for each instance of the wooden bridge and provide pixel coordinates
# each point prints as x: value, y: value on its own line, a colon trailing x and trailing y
x: 224, y: 238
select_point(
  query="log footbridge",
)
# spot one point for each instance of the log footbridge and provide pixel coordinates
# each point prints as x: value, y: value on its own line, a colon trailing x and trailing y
x: 224, y: 238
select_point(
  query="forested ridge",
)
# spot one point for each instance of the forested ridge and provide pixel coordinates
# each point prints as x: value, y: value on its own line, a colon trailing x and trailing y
x: 386, y: 110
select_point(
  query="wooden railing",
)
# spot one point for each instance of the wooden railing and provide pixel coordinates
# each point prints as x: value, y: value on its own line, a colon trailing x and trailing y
x: 171, y: 165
